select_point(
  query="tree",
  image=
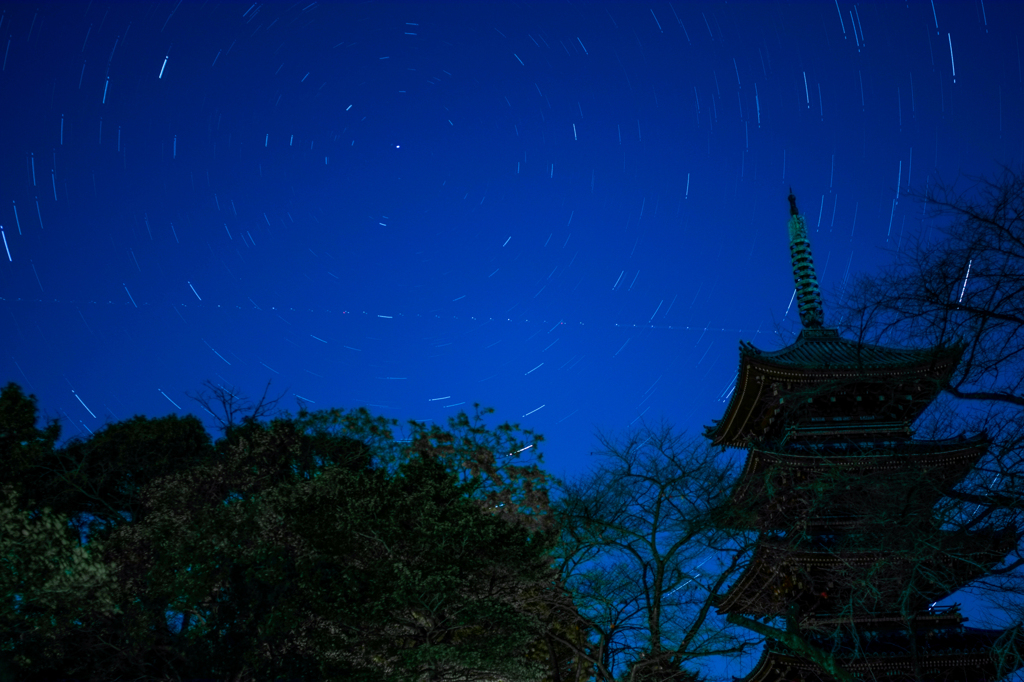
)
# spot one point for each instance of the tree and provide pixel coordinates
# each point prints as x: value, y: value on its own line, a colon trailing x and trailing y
x: 642, y: 556
x: 22, y: 444
x: 95, y: 481
x: 961, y: 285
x: 959, y: 281
x: 48, y: 581
x: 232, y: 408
x: 354, y: 573
x: 312, y: 547
x: 516, y: 492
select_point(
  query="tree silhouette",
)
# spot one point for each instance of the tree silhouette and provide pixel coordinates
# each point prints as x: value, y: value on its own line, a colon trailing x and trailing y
x: 642, y: 556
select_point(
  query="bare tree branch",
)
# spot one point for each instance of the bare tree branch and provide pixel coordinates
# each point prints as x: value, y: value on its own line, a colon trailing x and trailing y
x: 640, y: 553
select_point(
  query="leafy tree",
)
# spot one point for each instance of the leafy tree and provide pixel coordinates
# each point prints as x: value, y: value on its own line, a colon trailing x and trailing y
x: 95, y: 481
x: 356, y: 571
x: 22, y: 444
x: 102, y: 476
x: 48, y: 581
x: 516, y: 492
x: 318, y: 546
x: 642, y: 556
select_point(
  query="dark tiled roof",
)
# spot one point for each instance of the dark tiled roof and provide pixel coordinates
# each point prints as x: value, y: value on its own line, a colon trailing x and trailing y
x: 759, y: 591
x: 820, y: 356
x: 946, y: 461
x: 960, y: 657
x: 824, y: 348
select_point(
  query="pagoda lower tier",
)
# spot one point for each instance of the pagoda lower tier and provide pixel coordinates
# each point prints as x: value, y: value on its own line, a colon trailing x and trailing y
x: 821, y: 578
x: 943, y: 652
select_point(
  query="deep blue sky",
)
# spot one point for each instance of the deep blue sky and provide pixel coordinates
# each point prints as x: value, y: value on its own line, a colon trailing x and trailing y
x: 569, y: 212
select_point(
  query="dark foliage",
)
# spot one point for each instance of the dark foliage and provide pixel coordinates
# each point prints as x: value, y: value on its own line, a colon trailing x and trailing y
x: 313, y: 547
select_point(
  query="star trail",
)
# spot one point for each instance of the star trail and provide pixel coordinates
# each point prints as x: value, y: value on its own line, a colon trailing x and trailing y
x: 570, y: 213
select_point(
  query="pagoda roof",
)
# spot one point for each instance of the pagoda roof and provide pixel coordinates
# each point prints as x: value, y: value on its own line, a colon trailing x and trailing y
x: 820, y: 360
x: 961, y: 656
x: 781, y: 572
x: 947, y: 461
x: 823, y: 348
x: 934, y: 617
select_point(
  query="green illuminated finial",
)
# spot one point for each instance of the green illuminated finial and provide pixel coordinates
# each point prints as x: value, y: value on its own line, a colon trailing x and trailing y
x: 808, y: 294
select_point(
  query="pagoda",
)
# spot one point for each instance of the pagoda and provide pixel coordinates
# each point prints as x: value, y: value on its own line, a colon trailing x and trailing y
x: 850, y: 554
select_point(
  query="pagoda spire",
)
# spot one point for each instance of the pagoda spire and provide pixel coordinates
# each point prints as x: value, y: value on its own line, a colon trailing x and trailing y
x: 808, y: 294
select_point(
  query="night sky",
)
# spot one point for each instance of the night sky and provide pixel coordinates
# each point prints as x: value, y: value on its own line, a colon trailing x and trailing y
x: 569, y: 212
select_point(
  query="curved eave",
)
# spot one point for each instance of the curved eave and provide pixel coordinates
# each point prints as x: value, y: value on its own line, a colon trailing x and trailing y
x: 776, y: 666
x: 825, y: 347
x: 941, y: 361
x: 947, y: 454
x: 744, y: 588
x: 949, y: 618
x: 763, y: 572
x: 745, y: 397
x: 760, y: 368
x: 763, y: 575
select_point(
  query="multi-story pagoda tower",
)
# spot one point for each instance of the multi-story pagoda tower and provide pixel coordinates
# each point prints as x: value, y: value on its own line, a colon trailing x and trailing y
x: 851, y: 555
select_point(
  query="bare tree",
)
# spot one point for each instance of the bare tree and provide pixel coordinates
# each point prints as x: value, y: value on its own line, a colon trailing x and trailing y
x: 963, y: 283
x: 960, y: 280
x: 643, y: 559
x: 231, y: 408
